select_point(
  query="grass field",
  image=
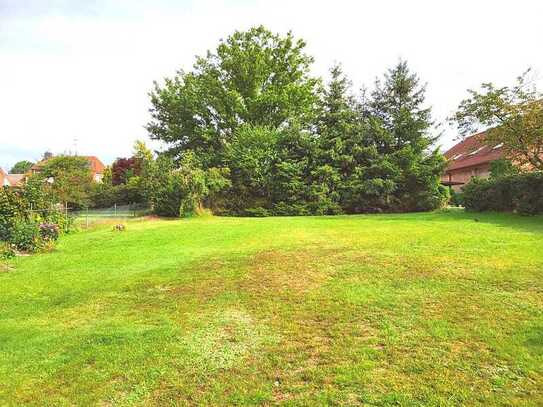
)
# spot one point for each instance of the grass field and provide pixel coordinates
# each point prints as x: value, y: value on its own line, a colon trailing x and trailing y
x: 418, y: 309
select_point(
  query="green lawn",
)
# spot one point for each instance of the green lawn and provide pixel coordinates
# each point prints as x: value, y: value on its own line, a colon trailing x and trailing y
x: 418, y: 309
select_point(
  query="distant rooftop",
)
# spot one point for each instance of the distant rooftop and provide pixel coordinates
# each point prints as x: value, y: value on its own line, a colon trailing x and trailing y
x: 472, y: 151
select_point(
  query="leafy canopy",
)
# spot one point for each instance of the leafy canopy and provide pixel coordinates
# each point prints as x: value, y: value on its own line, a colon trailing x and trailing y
x: 69, y: 177
x: 253, y: 77
x: 290, y: 145
x: 21, y: 167
x: 514, y: 115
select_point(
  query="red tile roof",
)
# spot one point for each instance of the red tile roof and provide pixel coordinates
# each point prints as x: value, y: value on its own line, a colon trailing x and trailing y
x: 16, y: 179
x: 472, y: 151
x: 3, y: 176
x: 13, y: 180
x: 96, y: 166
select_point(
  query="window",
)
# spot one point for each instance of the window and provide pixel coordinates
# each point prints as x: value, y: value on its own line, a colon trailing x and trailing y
x: 476, y: 151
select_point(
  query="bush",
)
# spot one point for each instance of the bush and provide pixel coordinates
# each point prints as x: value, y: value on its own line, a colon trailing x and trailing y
x: 521, y: 193
x: 457, y: 198
x: 6, y: 251
x: 49, y: 231
x: 257, y: 212
x: 12, y: 207
x: 26, y: 236
x: 28, y: 230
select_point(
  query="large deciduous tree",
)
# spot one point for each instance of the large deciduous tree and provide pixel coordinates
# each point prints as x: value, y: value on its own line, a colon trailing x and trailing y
x: 254, y: 77
x: 513, y: 116
x: 70, y: 177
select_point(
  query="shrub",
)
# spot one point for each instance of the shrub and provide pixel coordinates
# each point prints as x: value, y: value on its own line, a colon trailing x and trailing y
x: 457, y: 198
x: 176, y: 192
x: 6, y: 251
x: 64, y: 223
x: 12, y: 207
x: 26, y: 236
x: 257, y: 212
x: 522, y: 193
x: 49, y: 231
x: 26, y: 230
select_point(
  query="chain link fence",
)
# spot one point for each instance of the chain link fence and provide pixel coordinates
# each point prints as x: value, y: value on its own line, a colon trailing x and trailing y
x: 88, y: 216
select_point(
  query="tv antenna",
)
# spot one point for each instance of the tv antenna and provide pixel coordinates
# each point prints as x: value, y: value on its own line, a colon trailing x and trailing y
x: 75, y: 146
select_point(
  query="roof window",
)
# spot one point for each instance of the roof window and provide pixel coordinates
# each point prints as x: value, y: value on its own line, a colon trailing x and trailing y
x: 476, y: 151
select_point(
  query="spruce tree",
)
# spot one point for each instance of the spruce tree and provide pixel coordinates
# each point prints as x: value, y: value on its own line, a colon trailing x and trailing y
x: 340, y: 134
x: 400, y: 128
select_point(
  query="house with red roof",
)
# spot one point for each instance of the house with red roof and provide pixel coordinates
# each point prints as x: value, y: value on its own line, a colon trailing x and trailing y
x: 4, y: 182
x: 96, y: 166
x: 470, y: 158
x: 11, y: 180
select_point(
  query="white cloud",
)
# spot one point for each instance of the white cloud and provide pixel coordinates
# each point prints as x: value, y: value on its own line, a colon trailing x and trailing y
x: 71, y: 72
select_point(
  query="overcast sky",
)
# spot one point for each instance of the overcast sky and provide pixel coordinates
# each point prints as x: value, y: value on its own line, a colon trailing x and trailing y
x: 82, y: 69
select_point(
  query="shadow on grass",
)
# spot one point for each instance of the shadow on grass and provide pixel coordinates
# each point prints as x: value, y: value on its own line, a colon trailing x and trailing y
x: 532, y: 224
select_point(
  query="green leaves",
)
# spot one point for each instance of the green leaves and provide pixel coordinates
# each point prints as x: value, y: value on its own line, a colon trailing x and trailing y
x: 71, y: 179
x: 290, y: 145
x: 21, y: 167
x: 514, y: 116
x: 254, y: 78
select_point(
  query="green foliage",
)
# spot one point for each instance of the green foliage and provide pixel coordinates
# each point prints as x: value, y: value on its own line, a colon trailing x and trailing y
x: 7, y: 251
x: 180, y: 191
x: 514, y: 116
x: 404, y: 176
x: 22, y: 213
x: 70, y: 179
x: 502, y: 167
x: 253, y: 77
x: 292, y: 147
x: 129, y: 185
x: 457, y: 198
x: 522, y: 193
x: 12, y: 208
x: 104, y: 195
x: 25, y: 235
x: 251, y: 157
x: 21, y: 167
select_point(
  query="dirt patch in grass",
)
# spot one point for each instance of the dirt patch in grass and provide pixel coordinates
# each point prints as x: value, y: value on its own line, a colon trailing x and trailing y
x: 293, y: 273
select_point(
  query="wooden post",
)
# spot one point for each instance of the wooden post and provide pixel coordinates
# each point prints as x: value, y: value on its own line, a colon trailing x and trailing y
x: 115, y: 210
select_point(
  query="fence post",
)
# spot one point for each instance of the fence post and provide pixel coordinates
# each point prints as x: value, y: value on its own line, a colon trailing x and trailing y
x: 87, y: 217
x: 115, y: 210
x: 66, y: 216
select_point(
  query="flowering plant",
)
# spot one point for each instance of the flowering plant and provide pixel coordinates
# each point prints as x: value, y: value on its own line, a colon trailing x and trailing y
x: 49, y: 231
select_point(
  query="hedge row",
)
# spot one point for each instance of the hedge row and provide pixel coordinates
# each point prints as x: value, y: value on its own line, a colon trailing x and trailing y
x: 522, y: 193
